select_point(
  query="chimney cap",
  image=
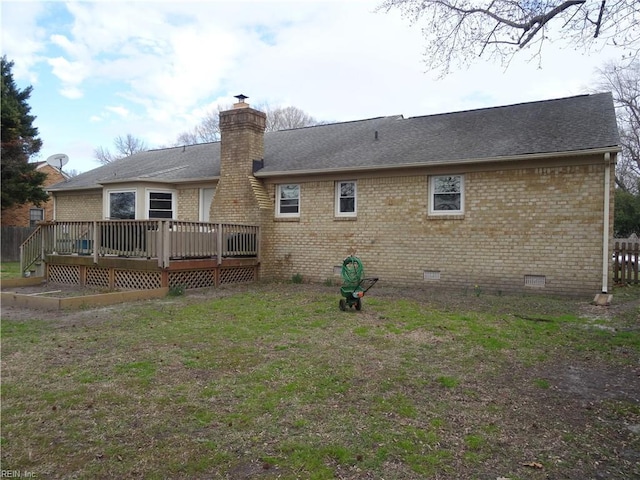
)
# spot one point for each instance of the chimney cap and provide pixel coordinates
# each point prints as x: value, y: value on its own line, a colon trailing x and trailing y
x: 241, y: 98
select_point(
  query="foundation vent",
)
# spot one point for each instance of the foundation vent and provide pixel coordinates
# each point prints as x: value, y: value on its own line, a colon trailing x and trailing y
x: 535, y: 280
x: 431, y: 275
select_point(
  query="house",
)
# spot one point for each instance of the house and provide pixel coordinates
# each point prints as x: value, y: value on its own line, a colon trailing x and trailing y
x: 511, y: 198
x: 19, y: 221
x: 28, y: 215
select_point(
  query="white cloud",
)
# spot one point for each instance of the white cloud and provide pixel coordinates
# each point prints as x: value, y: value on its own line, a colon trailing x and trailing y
x: 71, y: 74
x: 120, y: 111
x: 22, y: 38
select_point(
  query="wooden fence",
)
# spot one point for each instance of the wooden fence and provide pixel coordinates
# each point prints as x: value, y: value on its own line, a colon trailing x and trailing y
x: 625, y: 262
x: 12, y: 238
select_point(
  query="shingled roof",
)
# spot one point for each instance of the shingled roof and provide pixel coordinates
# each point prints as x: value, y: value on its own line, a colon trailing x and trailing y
x: 563, y: 126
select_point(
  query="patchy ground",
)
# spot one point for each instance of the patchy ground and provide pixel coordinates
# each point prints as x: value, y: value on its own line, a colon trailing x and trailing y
x: 561, y: 413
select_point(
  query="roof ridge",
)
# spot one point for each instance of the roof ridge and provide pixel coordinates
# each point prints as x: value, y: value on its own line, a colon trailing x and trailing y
x: 327, y: 124
x: 510, y: 105
x: 186, y: 145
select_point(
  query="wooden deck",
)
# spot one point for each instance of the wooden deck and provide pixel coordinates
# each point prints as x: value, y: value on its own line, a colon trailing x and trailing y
x: 148, y: 254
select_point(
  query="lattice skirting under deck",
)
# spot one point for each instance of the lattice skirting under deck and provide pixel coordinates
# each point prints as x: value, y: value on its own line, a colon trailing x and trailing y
x: 64, y: 274
x: 144, y: 280
x: 237, y: 275
x: 97, y: 277
x: 135, y: 280
x: 193, y: 278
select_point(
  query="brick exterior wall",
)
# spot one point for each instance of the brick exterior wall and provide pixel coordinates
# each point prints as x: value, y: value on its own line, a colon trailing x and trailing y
x: 18, y: 216
x: 542, y: 221
x: 188, y: 204
x: 76, y: 206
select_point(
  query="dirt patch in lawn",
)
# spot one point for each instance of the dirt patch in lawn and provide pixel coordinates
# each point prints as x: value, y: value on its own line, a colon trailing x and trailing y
x: 388, y: 397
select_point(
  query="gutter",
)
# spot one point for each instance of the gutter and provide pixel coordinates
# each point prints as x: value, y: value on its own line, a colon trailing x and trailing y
x: 100, y: 184
x: 605, y: 223
x: 466, y: 161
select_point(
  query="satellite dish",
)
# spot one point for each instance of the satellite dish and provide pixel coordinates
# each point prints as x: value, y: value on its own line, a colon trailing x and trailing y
x: 58, y: 160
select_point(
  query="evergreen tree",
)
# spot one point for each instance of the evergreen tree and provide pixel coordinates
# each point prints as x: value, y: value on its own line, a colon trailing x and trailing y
x: 627, y: 214
x: 21, y: 182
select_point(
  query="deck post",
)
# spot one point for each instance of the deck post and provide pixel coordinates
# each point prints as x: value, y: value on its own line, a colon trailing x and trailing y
x: 96, y: 242
x: 258, y: 243
x: 219, y: 247
x: 166, y: 244
x: 44, y: 239
x: 159, y: 243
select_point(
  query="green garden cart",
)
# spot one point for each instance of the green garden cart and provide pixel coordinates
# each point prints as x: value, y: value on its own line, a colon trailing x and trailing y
x: 354, y: 285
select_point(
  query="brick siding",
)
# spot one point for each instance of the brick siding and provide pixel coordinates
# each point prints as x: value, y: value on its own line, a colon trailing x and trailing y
x: 75, y: 206
x: 529, y: 221
x: 188, y: 204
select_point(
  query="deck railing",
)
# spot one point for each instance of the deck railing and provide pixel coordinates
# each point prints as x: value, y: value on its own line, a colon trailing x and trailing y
x: 31, y: 251
x: 165, y: 240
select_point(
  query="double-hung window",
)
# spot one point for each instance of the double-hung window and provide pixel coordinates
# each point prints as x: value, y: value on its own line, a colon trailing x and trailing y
x: 35, y: 215
x: 446, y: 195
x: 346, y: 199
x: 288, y: 200
x: 160, y: 204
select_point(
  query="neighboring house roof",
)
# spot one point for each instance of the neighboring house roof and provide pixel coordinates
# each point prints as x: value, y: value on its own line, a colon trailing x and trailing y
x: 560, y: 126
x: 42, y: 165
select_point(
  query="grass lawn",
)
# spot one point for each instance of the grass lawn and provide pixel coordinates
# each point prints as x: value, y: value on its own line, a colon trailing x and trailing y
x: 10, y: 270
x: 274, y: 381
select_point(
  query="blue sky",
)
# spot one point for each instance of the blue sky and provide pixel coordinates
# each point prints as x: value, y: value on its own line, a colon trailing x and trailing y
x: 154, y: 69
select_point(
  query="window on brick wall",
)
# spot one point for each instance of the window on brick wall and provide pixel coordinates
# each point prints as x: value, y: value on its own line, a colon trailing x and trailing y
x: 446, y: 194
x: 122, y: 205
x: 346, y: 199
x: 288, y: 200
x: 35, y: 215
x: 160, y: 204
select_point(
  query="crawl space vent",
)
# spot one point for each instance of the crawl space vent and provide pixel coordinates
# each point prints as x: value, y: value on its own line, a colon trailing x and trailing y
x: 535, y: 280
x: 337, y: 270
x: 431, y: 275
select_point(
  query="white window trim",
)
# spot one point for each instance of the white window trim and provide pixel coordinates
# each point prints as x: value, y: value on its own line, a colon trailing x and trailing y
x: 431, y: 194
x: 201, y: 204
x: 107, y: 201
x: 288, y: 215
x: 147, y: 200
x: 338, y: 213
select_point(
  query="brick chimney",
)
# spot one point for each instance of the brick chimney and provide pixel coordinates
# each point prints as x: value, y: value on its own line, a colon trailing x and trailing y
x: 241, y: 142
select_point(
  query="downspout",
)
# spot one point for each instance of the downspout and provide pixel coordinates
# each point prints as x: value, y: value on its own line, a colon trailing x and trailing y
x: 605, y: 223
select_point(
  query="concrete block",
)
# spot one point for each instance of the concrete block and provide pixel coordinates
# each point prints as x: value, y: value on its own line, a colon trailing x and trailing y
x: 603, y: 299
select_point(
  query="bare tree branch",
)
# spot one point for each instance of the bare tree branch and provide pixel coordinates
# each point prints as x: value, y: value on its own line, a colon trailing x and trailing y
x: 459, y: 31
x: 599, y: 22
x: 124, y: 146
x: 624, y: 84
x: 279, y: 118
